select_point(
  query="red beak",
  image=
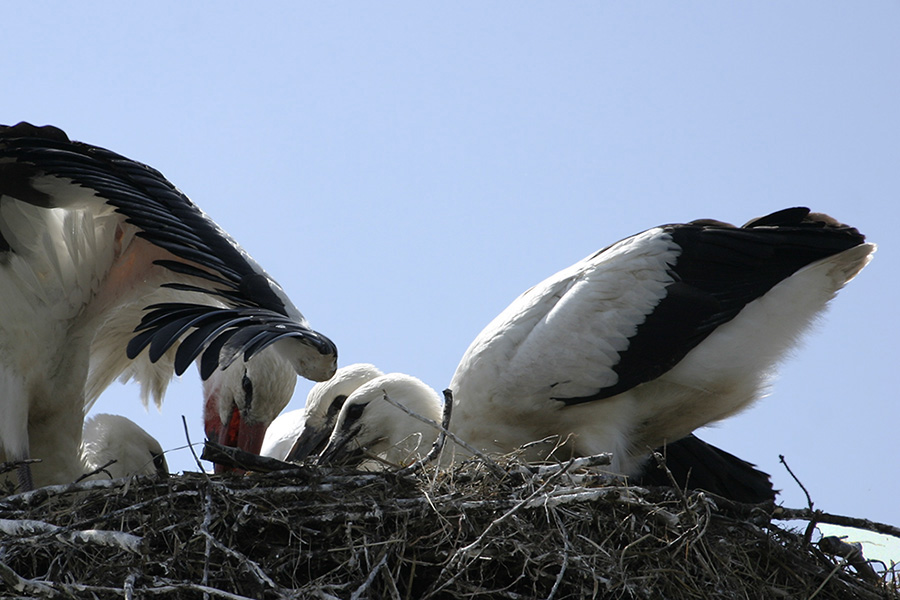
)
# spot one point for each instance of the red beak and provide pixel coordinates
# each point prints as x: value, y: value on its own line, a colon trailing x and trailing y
x: 236, y: 433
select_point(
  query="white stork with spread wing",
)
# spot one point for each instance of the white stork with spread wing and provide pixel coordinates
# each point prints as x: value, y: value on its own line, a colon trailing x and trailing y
x: 91, y: 241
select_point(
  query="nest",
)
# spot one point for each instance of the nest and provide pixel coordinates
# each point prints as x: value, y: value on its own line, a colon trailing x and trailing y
x: 466, y: 532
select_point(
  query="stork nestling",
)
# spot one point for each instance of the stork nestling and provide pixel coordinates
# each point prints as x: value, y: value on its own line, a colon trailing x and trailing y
x: 118, y: 440
x: 91, y: 241
x: 323, y: 405
x: 305, y: 431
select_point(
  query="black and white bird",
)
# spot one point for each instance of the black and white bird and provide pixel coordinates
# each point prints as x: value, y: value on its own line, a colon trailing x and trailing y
x: 645, y: 341
x: 91, y: 241
x: 123, y: 443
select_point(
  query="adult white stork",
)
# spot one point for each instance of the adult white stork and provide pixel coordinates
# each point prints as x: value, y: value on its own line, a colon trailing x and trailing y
x: 87, y: 235
x: 642, y: 342
x: 646, y: 340
x: 115, y: 438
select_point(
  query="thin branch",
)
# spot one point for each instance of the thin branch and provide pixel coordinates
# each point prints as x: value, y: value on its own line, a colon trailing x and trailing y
x: 805, y: 514
x: 496, y: 469
x: 187, y: 437
x: 438, y: 444
x: 809, y: 501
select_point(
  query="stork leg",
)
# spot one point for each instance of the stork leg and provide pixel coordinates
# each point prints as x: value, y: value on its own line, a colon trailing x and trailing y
x: 23, y: 472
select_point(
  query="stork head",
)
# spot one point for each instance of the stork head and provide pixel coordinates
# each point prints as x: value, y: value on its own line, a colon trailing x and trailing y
x: 244, y: 398
x: 368, y: 424
x: 116, y: 438
x: 323, y: 404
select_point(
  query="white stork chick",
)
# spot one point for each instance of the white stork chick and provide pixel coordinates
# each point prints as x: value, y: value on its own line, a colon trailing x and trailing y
x: 86, y: 233
x: 115, y: 438
x: 283, y: 433
x: 646, y: 340
x: 369, y: 426
x: 323, y: 404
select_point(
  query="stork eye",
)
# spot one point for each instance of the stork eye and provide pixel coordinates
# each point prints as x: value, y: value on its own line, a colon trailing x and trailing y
x: 336, y: 406
x: 247, y: 386
x: 159, y: 462
x: 354, y: 412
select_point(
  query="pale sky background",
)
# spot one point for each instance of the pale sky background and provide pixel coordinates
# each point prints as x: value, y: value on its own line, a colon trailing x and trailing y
x: 406, y: 170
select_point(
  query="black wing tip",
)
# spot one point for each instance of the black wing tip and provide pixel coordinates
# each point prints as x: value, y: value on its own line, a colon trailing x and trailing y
x: 24, y: 129
x: 800, y: 216
x: 695, y: 464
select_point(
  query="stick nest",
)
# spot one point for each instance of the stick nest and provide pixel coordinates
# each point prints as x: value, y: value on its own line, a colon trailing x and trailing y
x: 436, y: 533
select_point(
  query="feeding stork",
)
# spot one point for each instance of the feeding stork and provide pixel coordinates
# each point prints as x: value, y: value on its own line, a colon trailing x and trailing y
x: 323, y: 404
x: 369, y: 427
x: 648, y: 339
x: 117, y: 438
x: 91, y: 241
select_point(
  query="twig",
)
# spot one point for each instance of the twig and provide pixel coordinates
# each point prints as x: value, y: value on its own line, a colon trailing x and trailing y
x: 661, y: 464
x: 21, y: 585
x: 809, y: 501
x: 204, y: 529
x: 98, y: 470
x: 368, y: 582
x: 438, y: 444
x: 468, y: 549
x: 6, y: 467
x: 187, y: 437
x: 805, y: 514
x: 241, y: 459
x: 852, y: 553
x: 811, y: 526
x: 496, y: 469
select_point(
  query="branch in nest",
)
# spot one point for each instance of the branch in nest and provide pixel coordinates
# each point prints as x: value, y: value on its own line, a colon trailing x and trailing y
x: 236, y: 458
x: 852, y: 553
x: 805, y: 514
x: 438, y: 444
x: 496, y: 469
x: 28, y: 528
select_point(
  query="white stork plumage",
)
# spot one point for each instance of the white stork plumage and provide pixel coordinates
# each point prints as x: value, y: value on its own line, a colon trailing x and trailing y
x: 323, y: 404
x: 91, y: 241
x: 116, y: 438
x: 283, y: 433
x: 644, y: 341
x: 371, y: 433
x: 369, y: 429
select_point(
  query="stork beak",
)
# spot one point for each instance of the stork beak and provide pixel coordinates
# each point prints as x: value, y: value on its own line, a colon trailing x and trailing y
x: 333, y: 451
x: 238, y: 433
x: 340, y: 451
x: 310, y: 442
x: 160, y: 464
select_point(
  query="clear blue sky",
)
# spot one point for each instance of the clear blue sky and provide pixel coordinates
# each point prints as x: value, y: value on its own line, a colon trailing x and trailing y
x: 406, y: 170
